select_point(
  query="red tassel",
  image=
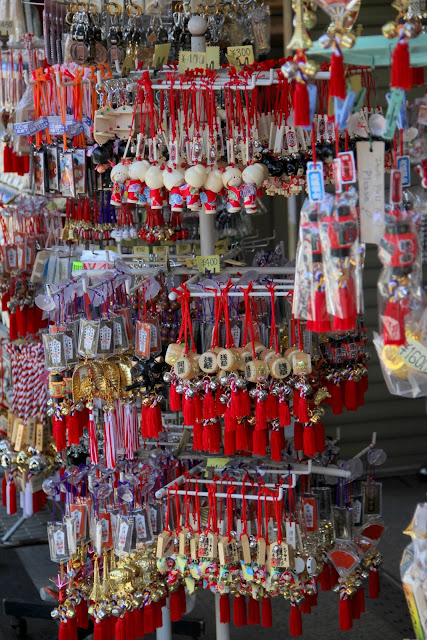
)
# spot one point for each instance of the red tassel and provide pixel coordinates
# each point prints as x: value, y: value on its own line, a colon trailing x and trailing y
x: 229, y: 442
x: 374, y: 583
x: 259, y: 442
x: 21, y: 320
x: 7, y: 159
x: 355, y: 610
x: 253, y: 611
x: 260, y: 415
x: 319, y: 436
x: 321, y: 321
x: 346, y: 619
x: 266, y: 613
x: 241, y: 437
x: 272, y: 407
x: 350, y: 395
x: 139, y: 623
x: 401, y: 76
x: 198, y: 436
x: 63, y: 631
x: 239, y: 611
x: 337, y: 82
x: 224, y: 608
x: 175, y: 399
x: 295, y: 621
x: 336, y: 398
x: 13, y: 329
x: 324, y: 579
x: 175, y: 606
x: 209, y: 406
x: 244, y: 404
x: 284, y: 413
x: 82, y: 615
x: 309, y: 441
x: 214, y: 437
x: 417, y: 76
x: 58, y: 432
x: 295, y: 403
x: 197, y: 408
x: 3, y: 490
x: 99, y: 630
x: 130, y: 625
x: 305, y: 606
x: 187, y: 410
x: 149, y: 620
x: 276, y: 440
x: 303, y: 415
x: 298, y: 436
x: 183, y: 599
x: 72, y: 422
x: 361, y: 596
x: 360, y: 393
x: 334, y: 576
x: 120, y: 629
x: 301, y: 106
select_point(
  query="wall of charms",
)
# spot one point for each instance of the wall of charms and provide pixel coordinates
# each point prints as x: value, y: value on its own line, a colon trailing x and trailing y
x: 167, y: 369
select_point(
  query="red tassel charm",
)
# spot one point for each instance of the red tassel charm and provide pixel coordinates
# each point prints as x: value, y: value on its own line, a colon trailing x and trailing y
x: 4, y: 491
x: 7, y: 159
x: 72, y: 422
x: 239, y: 611
x: 324, y: 578
x: 99, y: 630
x: 361, y: 596
x: 13, y: 328
x: 93, y: 442
x: 295, y: 621
x: 241, y: 437
x: 183, y: 599
x: 394, y: 323
x: 224, y: 608
x: 305, y: 606
x: 259, y: 442
x: 266, y: 613
x: 175, y: 606
x: 149, y: 620
x: 301, y: 105
x: 374, y: 582
x: 295, y: 403
x: 229, y: 442
x: 337, y: 87
x: 355, y: 608
x: 244, y: 404
x: 198, y: 436
x: 401, y: 76
x: 284, y: 413
x: 120, y: 630
x: 309, y: 441
x: 319, y: 437
x: 346, y: 618
x: 209, y: 411
x: 139, y: 623
x: 350, y: 394
x: 320, y: 321
x: 260, y: 415
x: 214, y: 437
x: 253, y: 612
x: 276, y: 441
x: 58, y: 432
x: 187, y: 410
x: 298, y: 436
x: 82, y: 615
x: 272, y: 407
x: 175, y: 399
x: 130, y: 626
x: 335, y: 400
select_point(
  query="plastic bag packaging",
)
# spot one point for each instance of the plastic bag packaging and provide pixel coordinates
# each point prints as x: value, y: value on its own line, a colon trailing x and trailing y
x: 309, y: 299
x: 405, y: 367
x: 342, y: 261
x: 22, y: 114
x: 399, y: 284
x: 413, y: 571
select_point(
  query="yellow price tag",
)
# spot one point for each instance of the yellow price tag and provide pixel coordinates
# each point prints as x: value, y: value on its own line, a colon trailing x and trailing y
x: 234, y: 62
x: 191, y: 262
x: 182, y: 249
x: 212, y: 58
x: 244, y: 54
x: 161, y: 55
x: 111, y: 248
x: 191, y: 60
x: 217, y: 463
x: 208, y: 263
x: 221, y: 246
x: 141, y: 251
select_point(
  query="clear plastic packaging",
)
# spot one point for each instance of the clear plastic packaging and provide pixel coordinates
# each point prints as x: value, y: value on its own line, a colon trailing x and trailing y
x: 413, y: 571
x: 342, y: 261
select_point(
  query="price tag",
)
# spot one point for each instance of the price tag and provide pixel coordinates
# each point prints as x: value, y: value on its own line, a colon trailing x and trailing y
x: 6, y: 27
x: 212, y: 57
x: 77, y: 266
x: 221, y: 246
x: 208, y: 263
x: 217, y: 463
x: 141, y: 251
x: 191, y: 60
x: 414, y: 354
x: 245, y: 55
x: 234, y: 62
x: 191, y: 262
x: 404, y: 166
x: 161, y: 55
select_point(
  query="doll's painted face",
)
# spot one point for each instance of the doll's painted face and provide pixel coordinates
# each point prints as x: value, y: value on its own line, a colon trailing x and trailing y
x: 235, y: 181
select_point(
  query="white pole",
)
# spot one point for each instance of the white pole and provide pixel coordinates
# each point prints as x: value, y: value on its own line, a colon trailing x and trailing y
x: 222, y: 628
x: 292, y: 227
x: 165, y: 631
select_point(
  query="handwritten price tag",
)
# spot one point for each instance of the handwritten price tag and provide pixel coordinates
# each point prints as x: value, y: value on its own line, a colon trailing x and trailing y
x: 77, y: 266
x: 212, y: 57
x: 161, y: 55
x: 191, y: 60
x: 245, y: 55
x: 208, y: 263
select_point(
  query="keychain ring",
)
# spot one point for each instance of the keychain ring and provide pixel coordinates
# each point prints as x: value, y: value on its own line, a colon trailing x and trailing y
x: 135, y: 7
x: 114, y: 9
x: 93, y: 9
x: 83, y: 4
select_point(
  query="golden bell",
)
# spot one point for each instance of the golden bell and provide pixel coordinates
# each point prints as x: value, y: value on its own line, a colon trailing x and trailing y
x: 309, y: 19
x: 389, y: 30
x: 348, y: 40
x: 310, y: 69
x: 300, y: 39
